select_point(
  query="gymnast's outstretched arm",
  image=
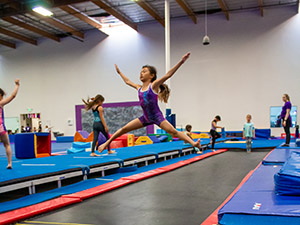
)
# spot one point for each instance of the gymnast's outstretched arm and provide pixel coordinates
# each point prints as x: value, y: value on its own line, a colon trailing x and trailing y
x: 126, y: 80
x: 13, y: 94
x: 171, y: 72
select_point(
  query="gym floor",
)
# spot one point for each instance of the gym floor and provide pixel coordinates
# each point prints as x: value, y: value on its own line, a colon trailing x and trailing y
x: 185, y: 196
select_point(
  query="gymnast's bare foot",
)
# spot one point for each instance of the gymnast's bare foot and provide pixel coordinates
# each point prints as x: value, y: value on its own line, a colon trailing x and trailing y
x: 94, y: 154
x: 101, y: 148
x: 111, y: 152
x: 9, y: 167
x: 197, y: 144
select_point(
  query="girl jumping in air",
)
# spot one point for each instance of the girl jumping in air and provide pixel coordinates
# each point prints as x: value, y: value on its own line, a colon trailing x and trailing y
x: 99, y: 123
x: 149, y: 92
x: 3, y: 132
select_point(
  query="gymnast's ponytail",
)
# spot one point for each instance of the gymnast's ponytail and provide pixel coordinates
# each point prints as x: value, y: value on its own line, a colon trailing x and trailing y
x: 90, y: 102
x: 164, y: 90
x: 2, y: 93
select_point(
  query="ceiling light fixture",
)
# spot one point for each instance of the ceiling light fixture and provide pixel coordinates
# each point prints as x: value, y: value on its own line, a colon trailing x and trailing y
x: 206, y: 39
x: 41, y: 10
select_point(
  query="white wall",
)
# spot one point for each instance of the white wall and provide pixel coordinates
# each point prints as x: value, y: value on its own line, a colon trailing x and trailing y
x: 250, y: 63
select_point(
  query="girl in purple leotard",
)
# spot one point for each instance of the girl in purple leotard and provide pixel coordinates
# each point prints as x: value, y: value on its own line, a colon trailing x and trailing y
x: 3, y: 133
x: 149, y: 92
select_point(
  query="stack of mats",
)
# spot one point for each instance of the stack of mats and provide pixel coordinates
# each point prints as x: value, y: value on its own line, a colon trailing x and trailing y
x: 257, y: 203
x: 287, y: 180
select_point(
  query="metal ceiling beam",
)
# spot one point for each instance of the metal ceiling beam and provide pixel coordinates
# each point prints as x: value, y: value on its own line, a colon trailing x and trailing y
x: 59, y: 24
x: 188, y: 10
x: 261, y: 5
x: 18, y: 36
x: 115, y: 13
x: 8, y: 44
x: 224, y: 8
x: 151, y: 12
x: 85, y: 18
x: 31, y: 28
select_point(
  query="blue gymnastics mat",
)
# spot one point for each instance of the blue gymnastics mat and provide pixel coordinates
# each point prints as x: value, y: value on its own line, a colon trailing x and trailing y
x: 292, y: 145
x: 287, y: 180
x: 257, y: 198
x: 256, y: 144
x: 26, y: 168
x: 279, y: 156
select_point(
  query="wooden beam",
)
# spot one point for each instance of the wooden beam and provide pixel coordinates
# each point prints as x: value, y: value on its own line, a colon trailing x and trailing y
x: 18, y: 36
x: 24, y: 8
x: 31, y: 28
x: 115, y: 13
x: 85, y: 18
x: 188, y: 10
x: 261, y: 5
x: 150, y: 11
x: 12, y: 4
x: 57, y: 23
x: 8, y: 44
x: 224, y: 8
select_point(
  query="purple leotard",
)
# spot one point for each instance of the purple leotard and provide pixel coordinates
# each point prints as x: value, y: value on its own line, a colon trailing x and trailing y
x: 152, y: 114
x: 2, y: 125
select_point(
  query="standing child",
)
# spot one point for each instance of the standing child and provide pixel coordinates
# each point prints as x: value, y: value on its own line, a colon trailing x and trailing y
x: 149, y: 92
x: 248, y: 132
x: 188, y: 132
x: 99, y: 124
x: 3, y: 132
x: 213, y: 131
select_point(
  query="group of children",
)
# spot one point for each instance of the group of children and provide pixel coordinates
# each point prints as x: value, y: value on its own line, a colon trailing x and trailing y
x: 248, y: 132
x: 149, y: 92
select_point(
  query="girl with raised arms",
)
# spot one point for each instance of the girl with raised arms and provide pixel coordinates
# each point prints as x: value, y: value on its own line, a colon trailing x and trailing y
x: 149, y: 92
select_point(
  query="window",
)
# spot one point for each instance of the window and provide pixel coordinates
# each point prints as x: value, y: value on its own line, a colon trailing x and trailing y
x: 275, y: 112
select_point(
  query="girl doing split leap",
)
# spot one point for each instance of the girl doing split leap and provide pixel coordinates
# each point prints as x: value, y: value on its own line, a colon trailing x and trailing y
x: 149, y: 92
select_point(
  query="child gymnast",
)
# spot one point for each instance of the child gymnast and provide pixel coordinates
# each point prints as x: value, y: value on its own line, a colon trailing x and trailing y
x: 99, y: 124
x: 149, y: 92
x: 3, y: 132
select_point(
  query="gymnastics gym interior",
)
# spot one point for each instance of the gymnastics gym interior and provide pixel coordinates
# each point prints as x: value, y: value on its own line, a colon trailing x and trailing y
x: 243, y: 59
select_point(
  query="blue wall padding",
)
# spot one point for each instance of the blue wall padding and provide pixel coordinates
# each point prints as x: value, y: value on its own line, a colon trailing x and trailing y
x: 257, y: 197
x: 154, y: 139
x: 297, y: 142
x: 11, y: 138
x: 279, y: 156
x: 24, y: 145
x: 287, y: 180
x: 81, y: 145
x: 64, y: 139
x: 263, y: 133
x: 75, y: 150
